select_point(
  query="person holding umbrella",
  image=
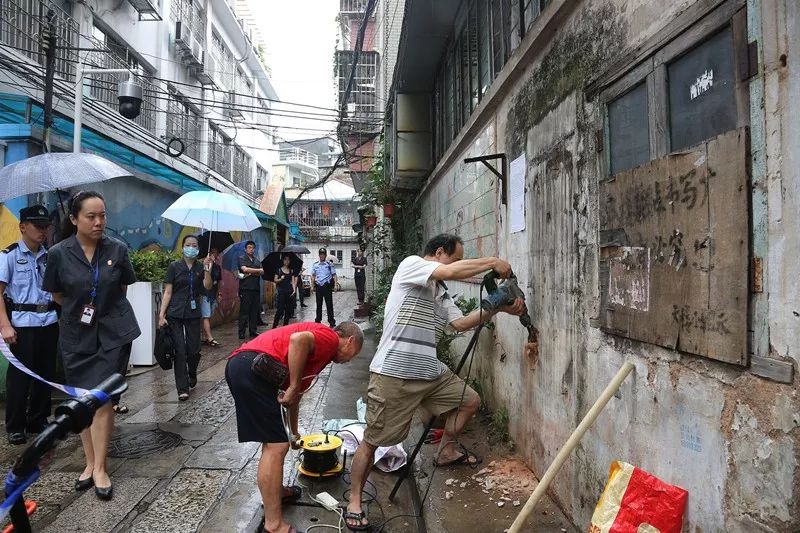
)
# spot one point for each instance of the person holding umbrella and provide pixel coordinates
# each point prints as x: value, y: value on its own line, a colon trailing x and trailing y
x: 88, y: 274
x: 185, y: 283
x: 209, y: 301
x: 286, y: 283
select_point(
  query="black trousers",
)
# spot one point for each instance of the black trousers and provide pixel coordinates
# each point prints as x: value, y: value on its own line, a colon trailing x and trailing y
x: 283, y: 308
x: 325, y: 292
x: 361, y: 287
x: 28, y: 404
x: 187, y: 350
x: 249, y: 311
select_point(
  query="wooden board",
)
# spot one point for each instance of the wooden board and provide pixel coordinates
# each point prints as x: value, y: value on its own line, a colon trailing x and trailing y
x: 680, y: 280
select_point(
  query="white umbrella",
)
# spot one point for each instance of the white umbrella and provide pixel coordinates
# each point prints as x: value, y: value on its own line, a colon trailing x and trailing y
x: 213, y: 211
x: 50, y: 172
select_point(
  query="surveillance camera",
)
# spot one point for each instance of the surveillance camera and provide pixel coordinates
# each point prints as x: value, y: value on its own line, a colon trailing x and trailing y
x: 130, y: 99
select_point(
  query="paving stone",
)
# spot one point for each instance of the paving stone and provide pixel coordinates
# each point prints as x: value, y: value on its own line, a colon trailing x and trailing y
x: 190, y: 432
x: 161, y: 465
x: 155, y: 412
x: 226, y: 456
x: 184, y: 503
x: 87, y: 513
x: 195, y: 394
x: 51, y: 492
x: 240, y: 502
x: 213, y: 408
x: 214, y: 373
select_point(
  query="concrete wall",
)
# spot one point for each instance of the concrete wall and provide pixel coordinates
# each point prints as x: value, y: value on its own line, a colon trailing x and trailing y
x: 727, y: 436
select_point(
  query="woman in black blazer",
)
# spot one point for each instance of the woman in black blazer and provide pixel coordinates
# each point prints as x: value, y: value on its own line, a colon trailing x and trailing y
x: 88, y: 274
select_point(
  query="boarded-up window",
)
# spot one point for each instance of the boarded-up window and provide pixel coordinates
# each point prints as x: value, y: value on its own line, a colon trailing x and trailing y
x: 629, y: 138
x: 702, y: 92
x: 674, y: 250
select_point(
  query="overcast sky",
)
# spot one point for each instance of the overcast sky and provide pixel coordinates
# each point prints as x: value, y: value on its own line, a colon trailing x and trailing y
x: 301, y: 38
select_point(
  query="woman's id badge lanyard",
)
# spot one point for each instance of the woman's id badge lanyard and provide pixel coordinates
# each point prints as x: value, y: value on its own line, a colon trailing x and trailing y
x: 192, y: 301
x: 89, y: 311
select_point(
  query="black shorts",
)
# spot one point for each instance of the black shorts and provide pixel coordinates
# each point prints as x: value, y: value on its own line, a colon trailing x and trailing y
x: 258, y: 413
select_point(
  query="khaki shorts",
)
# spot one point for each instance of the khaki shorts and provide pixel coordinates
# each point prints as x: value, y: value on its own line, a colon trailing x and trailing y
x: 391, y: 403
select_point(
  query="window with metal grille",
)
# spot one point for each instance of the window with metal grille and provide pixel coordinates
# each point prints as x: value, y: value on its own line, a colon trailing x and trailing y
x: 262, y: 178
x: 114, y: 54
x: 191, y: 14
x: 21, y: 24
x: 241, y: 169
x: 362, y: 103
x: 219, y: 151
x: 184, y: 123
x: 224, y: 60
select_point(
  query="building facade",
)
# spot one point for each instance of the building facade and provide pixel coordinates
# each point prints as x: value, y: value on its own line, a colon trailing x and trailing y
x: 324, y: 214
x: 647, y: 200
x: 205, y: 119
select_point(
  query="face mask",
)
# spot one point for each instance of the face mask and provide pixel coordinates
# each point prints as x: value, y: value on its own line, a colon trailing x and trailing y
x: 190, y: 251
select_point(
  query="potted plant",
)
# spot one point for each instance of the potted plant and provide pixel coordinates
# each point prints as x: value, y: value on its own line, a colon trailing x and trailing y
x: 150, y: 266
x: 371, y: 219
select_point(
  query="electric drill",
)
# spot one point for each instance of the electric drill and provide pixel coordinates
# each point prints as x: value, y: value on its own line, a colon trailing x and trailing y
x: 506, y: 293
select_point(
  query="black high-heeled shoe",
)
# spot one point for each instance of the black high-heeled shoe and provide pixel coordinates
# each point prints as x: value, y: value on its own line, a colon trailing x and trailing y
x: 83, y: 484
x: 104, y: 493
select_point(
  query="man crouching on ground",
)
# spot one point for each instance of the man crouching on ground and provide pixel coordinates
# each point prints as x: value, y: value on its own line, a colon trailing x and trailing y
x: 405, y: 372
x: 305, y: 349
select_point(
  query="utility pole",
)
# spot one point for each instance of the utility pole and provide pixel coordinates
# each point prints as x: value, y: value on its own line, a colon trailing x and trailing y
x: 49, y: 46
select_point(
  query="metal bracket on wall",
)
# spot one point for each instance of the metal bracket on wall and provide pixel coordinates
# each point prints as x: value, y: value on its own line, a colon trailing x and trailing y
x: 501, y: 174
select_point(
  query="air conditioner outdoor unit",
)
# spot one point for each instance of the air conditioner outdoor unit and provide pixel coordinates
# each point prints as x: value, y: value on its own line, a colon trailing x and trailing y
x: 183, y: 37
x: 194, y: 57
x: 205, y: 72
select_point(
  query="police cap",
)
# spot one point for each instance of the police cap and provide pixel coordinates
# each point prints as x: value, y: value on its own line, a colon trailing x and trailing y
x: 37, y: 214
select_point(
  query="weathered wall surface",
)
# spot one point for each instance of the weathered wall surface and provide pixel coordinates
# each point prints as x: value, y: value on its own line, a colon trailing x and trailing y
x: 727, y: 436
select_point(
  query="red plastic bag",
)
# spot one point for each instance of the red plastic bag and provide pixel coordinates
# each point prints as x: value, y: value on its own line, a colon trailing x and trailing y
x: 637, y: 502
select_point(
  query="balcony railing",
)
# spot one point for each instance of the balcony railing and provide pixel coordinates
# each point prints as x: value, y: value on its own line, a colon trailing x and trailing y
x: 298, y: 155
x: 21, y: 23
x: 353, y: 7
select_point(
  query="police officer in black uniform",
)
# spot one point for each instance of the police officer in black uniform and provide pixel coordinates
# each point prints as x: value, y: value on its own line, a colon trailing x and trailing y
x: 29, y: 324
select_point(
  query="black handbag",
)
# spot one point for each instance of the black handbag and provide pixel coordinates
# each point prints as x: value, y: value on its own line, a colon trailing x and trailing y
x: 270, y: 370
x: 164, y: 349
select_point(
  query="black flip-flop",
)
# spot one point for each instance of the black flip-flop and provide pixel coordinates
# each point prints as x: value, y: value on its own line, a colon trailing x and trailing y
x: 295, y: 493
x: 463, y: 459
x: 349, y: 515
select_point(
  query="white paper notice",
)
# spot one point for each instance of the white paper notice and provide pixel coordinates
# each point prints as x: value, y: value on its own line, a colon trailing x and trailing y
x: 517, y: 194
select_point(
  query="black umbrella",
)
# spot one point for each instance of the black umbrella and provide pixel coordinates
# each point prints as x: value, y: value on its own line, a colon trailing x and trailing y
x: 219, y: 240
x: 274, y: 261
x: 296, y: 249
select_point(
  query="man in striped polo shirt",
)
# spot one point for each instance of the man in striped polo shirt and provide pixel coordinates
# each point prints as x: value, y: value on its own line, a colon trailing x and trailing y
x: 405, y: 372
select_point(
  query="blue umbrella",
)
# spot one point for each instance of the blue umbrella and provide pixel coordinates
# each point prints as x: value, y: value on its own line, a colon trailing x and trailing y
x: 231, y: 255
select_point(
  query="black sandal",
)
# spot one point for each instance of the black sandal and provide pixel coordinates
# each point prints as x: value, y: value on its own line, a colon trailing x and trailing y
x: 120, y: 409
x: 349, y: 515
x: 466, y: 458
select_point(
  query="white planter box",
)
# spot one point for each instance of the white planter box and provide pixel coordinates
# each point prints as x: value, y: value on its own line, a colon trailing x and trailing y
x: 145, y: 297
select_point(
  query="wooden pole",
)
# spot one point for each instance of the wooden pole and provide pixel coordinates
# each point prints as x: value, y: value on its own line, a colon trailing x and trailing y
x: 570, y: 445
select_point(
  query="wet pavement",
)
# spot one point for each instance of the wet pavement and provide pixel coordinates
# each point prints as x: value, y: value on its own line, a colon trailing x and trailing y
x: 177, y: 466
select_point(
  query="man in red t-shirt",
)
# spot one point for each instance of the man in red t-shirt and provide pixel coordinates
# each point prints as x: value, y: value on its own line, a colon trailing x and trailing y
x: 305, y: 349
